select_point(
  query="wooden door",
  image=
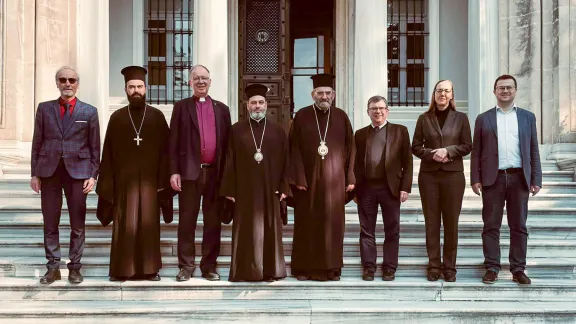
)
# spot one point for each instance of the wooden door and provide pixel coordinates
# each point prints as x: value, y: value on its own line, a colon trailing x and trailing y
x: 264, y: 48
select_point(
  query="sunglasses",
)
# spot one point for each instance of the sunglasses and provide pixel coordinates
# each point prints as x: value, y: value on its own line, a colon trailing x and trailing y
x: 71, y: 80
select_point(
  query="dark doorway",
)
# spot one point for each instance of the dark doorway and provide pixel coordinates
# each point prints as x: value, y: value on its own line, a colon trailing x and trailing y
x: 281, y: 44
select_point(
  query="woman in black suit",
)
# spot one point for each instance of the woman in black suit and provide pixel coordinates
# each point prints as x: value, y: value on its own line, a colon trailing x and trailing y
x: 442, y: 137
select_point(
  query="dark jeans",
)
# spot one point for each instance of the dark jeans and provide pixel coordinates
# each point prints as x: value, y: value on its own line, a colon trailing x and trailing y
x: 509, y: 189
x: 441, y: 193
x: 189, y: 203
x: 51, y: 201
x: 369, y: 198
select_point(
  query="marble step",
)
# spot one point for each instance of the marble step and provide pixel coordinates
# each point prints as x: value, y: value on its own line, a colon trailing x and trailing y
x: 97, y: 266
x: 349, y: 288
x: 288, y: 311
x: 409, y: 247
x: 408, y: 229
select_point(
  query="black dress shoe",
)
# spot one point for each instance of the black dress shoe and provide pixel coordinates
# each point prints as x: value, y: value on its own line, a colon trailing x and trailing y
x: 490, y: 277
x: 74, y: 276
x: 50, y: 276
x: 388, y: 275
x: 302, y: 278
x: 368, y: 275
x: 449, y: 277
x: 433, y: 276
x: 211, y: 275
x: 183, y: 275
x: 153, y: 277
x: 521, y: 278
x: 113, y: 278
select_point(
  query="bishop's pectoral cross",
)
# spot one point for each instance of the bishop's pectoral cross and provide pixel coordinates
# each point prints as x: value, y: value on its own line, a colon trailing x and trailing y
x: 138, y: 139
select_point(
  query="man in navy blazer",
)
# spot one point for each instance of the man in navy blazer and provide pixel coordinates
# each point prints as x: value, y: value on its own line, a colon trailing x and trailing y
x: 505, y: 169
x: 65, y: 156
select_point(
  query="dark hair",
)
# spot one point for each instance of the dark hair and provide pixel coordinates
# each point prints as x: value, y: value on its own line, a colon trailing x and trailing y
x: 451, y: 103
x: 376, y: 98
x: 506, y: 77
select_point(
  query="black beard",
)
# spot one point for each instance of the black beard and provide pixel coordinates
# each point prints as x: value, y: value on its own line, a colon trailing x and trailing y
x: 137, y: 101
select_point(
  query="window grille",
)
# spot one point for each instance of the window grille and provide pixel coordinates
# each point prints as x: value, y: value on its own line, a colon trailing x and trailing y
x: 168, y: 49
x: 407, y: 52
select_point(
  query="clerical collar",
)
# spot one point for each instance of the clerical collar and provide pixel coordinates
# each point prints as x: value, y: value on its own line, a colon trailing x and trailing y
x: 257, y: 121
x: 320, y: 109
x: 381, y: 126
x: 201, y: 99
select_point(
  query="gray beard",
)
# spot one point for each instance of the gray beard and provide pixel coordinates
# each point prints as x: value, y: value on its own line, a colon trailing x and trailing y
x: 257, y: 116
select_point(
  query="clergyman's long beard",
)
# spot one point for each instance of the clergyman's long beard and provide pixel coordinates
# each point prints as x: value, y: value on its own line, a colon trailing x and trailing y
x: 137, y: 101
x: 323, y: 105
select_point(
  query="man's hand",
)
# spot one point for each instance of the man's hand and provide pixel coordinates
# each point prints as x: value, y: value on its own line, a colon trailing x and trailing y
x: 350, y: 187
x: 477, y: 188
x: 88, y: 185
x: 301, y: 188
x: 534, y: 189
x: 282, y: 197
x: 231, y: 198
x: 403, y: 196
x: 175, y: 182
x: 35, y: 183
x: 440, y: 154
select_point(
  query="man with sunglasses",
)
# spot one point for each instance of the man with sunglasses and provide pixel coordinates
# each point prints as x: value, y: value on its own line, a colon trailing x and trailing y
x: 65, y: 156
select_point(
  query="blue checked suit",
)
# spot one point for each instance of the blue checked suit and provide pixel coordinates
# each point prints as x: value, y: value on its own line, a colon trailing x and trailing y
x: 63, y: 157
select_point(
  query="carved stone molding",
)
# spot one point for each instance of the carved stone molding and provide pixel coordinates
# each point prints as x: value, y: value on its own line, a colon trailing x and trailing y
x: 2, y: 60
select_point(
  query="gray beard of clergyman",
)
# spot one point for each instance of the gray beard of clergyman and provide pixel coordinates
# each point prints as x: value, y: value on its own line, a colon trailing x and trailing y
x: 257, y: 116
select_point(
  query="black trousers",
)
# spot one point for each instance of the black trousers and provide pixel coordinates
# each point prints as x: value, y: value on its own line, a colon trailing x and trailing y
x: 369, y: 198
x: 51, y: 201
x: 189, y: 204
x: 510, y: 190
x: 441, y: 193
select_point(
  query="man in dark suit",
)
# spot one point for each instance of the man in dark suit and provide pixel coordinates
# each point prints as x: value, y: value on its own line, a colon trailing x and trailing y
x: 505, y: 169
x: 383, y: 171
x: 199, y: 130
x: 65, y: 156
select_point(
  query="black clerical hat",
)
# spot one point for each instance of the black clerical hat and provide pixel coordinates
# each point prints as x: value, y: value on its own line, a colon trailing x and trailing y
x: 256, y: 90
x: 323, y: 80
x: 134, y: 73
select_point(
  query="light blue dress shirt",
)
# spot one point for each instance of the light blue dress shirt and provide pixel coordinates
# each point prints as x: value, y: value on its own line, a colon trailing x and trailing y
x: 508, y: 139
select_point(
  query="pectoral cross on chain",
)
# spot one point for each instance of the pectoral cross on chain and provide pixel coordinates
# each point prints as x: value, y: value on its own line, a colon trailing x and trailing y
x: 138, y: 139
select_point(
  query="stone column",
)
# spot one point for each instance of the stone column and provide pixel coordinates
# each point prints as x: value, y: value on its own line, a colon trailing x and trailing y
x: 344, y: 55
x: 211, y: 45
x: 370, y: 57
x: 482, y: 56
x: 92, y: 48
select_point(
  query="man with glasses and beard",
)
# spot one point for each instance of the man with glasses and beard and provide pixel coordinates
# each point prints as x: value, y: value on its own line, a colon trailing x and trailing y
x: 321, y: 174
x: 134, y: 183
x: 65, y: 156
x: 255, y: 179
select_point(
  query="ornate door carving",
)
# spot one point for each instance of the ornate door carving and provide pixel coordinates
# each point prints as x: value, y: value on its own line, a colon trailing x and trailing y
x: 264, y: 48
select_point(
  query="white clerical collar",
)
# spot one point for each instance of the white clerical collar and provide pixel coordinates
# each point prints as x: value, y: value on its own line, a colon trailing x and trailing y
x: 258, y: 120
x: 514, y: 108
x: 381, y: 126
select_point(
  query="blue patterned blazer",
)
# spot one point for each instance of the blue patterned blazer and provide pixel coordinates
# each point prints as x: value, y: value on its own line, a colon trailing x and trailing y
x: 78, y: 144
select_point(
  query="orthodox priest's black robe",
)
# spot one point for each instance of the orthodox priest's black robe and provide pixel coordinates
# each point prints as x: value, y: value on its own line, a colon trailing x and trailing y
x: 257, y: 250
x: 130, y: 177
x: 319, y: 211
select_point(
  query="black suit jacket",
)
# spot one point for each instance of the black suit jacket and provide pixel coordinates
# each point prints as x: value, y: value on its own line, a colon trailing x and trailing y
x: 455, y: 136
x: 484, y: 159
x: 398, y: 163
x: 185, y: 138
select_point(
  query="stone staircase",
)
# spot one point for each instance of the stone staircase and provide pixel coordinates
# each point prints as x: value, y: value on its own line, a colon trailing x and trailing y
x: 408, y: 299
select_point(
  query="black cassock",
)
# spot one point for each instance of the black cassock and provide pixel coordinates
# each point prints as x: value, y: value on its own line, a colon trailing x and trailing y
x: 257, y: 249
x: 130, y: 177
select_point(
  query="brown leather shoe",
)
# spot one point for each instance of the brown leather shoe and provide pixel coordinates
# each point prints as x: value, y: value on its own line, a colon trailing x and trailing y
x: 153, y: 277
x: 184, y: 275
x: 211, y: 275
x: 368, y: 275
x: 388, y: 275
x: 432, y: 276
x: 449, y: 276
x: 74, y: 276
x: 51, y: 276
x: 490, y: 277
x: 521, y: 278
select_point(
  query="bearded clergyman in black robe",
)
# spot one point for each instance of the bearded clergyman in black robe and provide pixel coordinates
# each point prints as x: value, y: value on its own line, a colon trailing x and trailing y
x: 134, y: 183
x: 255, y: 179
x: 321, y: 174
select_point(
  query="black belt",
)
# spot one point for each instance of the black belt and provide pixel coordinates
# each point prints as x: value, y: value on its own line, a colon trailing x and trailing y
x: 205, y: 165
x: 511, y: 170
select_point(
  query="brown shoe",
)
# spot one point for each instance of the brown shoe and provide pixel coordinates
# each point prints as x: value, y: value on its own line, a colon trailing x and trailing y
x: 449, y: 277
x: 432, y: 276
x: 51, y: 276
x: 388, y: 275
x: 211, y: 275
x: 521, y: 278
x: 74, y: 276
x: 490, y: 277
x: 153, y: 277
x: 368, y: 275
x: 302, y: 278
x: 184, y: 275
